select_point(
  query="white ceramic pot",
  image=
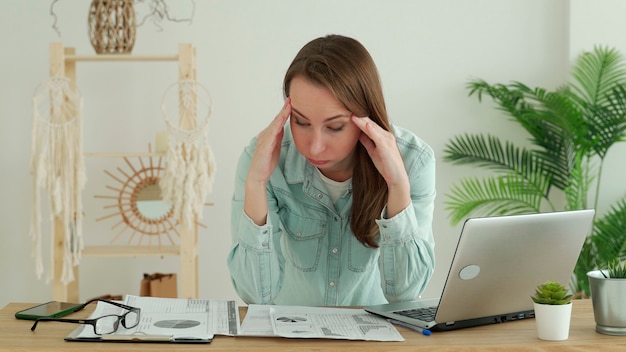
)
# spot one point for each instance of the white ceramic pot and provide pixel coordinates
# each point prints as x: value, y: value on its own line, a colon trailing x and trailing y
x: 553, y: 321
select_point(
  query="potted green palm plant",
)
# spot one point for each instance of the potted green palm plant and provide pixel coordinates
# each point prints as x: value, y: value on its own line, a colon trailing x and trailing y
x: 608, y: 289
x: 553, y: 311
x: 571, y: 130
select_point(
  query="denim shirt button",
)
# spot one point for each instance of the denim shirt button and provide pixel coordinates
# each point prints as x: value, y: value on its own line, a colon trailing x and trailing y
x: 265, y: 244
x: 334, y: 250
x: 265, y: 232
x: 298, y: 234
x: 332, y: 284
x: 320, y: 196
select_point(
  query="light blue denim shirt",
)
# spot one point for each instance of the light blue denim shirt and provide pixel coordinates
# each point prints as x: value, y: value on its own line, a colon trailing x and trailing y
x: 306, y: 253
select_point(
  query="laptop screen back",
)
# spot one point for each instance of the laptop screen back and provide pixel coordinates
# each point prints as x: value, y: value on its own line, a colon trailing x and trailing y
x: 500, y: 260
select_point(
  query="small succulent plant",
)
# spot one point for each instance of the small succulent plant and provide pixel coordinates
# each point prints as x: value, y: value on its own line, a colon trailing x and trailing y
x: 551, y: 293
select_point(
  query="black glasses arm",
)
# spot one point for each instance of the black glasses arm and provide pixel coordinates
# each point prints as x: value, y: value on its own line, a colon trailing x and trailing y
x: 109, y: 302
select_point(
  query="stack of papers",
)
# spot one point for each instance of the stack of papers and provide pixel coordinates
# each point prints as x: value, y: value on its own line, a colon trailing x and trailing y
x: 167, y: 320
x: 198, y: 320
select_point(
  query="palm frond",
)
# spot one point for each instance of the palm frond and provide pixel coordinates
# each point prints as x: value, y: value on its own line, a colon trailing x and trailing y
x: 610, y: 233
x: 586, y: 262
x: 491, y: 153
x: 579, y: 183
x: 552, y: 120
x: 487, y: 151
x: 595, y: 73
x: 502, y: 195
x: 607, y: 124
x: 557, y: 165
x: 554, y: 115
x: 535, y: 109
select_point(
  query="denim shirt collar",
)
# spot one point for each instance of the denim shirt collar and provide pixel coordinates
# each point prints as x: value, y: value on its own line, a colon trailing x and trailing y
x: 297, y: 169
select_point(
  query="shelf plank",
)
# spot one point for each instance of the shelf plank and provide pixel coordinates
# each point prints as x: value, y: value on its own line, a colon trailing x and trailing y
x: 123, y: 154
x: 121, y: 57
x: 129, y: 251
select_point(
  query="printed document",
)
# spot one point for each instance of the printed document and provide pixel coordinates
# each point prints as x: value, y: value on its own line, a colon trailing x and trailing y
x: 176, y: 319
x: 317, y: 322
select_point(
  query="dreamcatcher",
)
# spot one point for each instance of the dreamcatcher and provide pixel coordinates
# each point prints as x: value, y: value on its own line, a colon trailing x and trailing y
x: 58, y: 168
x: 190, y: 164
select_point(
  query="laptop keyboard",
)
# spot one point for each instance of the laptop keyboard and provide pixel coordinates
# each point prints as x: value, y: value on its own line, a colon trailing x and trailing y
x: 424, y: 314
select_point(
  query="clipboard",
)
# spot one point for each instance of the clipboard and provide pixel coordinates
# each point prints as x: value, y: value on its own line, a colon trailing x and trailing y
x: 74, y: 336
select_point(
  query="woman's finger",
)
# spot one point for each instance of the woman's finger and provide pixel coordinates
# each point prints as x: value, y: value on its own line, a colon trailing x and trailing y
x: 283, y: 115
x: 369, y: 127
x: 367, y: 143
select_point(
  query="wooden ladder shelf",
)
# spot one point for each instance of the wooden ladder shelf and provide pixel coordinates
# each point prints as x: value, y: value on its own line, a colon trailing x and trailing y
x: 63, y: 64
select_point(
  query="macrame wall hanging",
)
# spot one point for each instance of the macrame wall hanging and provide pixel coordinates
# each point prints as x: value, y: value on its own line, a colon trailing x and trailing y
x: 190, y: 164
x: 58, y: 168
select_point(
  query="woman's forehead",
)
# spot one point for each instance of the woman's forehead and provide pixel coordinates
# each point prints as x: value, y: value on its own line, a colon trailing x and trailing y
x: 312, y: 101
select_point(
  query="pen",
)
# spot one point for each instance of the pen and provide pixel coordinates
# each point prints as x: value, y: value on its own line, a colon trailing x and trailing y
x: 191, y: 339
x: 424, y: 332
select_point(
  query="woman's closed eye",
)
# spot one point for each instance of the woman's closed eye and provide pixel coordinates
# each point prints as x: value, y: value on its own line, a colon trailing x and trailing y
x: 336, y: 128
x: 301, y: 122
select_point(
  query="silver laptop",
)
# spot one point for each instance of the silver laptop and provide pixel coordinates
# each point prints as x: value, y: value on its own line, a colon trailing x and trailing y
x: 497, y: 264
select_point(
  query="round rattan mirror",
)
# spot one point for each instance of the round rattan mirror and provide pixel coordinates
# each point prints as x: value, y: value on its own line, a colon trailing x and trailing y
x: 137, y: 202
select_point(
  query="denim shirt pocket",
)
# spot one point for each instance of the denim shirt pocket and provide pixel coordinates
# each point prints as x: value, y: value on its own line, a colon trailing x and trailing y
x: 303, y: 243
x: 360, y: 257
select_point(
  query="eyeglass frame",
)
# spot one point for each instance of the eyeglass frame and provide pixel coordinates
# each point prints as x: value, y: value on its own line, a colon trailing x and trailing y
x: 92, y: 322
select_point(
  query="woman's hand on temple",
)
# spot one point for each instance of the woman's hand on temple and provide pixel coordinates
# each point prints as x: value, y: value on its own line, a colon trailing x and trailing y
x: 263, y: 163
x: 267, y: 152
x: 383, y: 150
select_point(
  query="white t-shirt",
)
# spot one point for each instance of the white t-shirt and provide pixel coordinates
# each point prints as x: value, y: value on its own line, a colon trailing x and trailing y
x: 335, y: 189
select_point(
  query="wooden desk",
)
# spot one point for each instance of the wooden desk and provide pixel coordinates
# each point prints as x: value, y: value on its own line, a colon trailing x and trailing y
x: 15, y: 335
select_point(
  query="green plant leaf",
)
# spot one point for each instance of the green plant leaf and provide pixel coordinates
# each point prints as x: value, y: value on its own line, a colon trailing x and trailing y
x: 510, y: 194
x: 579, y: 183
x: 491, y: 153
x: 616, y: 269
x: 596, y: 72
x: 546, y: 116
x: 610, y: 233
x: 607, y: 123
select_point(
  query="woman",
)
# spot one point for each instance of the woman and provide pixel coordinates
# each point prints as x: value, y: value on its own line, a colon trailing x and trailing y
x: 334, y: 208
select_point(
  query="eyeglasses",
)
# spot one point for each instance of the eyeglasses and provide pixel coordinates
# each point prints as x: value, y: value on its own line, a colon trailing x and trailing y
x: 106, y: 324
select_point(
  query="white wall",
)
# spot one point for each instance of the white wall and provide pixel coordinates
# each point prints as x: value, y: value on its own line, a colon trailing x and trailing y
x: 426, y: 52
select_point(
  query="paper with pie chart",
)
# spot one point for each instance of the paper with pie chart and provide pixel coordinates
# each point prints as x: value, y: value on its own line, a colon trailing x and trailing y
x: 317, y: 322
x: 176, y: 318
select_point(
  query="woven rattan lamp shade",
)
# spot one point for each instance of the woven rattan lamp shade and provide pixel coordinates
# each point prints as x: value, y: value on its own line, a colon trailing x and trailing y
x: 112, y: 26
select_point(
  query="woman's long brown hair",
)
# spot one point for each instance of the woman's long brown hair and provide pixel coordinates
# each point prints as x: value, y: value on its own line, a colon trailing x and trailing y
x: 345, y: 67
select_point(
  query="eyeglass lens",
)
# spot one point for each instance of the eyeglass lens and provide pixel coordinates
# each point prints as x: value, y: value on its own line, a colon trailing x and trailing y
x: 131, y: 319
x: 108, y: 324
